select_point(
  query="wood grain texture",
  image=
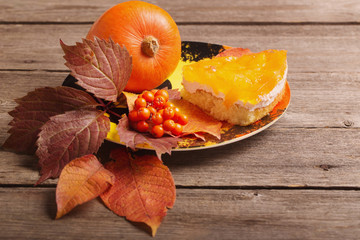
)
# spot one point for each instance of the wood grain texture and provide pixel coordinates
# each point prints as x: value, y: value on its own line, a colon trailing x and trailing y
x: 311, y: 48
x: 197, y: 214
x: 188, y: 10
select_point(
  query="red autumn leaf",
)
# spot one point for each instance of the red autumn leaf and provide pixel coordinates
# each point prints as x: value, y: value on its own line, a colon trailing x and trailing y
x: 174, y: 94
x: 34, y: 109
x: 234, y: 52
x: 101, y: 67
x: 68, y: 136
x: 199, y: 121
x: 130, y: 99
x: 132, y: 138
x: 143, y: 190
x: 81, y: 180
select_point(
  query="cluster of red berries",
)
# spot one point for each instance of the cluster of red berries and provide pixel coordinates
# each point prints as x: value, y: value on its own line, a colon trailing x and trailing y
x: 153, y: 113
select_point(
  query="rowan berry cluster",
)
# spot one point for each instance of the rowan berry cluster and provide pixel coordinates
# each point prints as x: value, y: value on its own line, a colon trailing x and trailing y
x: 155, y: 114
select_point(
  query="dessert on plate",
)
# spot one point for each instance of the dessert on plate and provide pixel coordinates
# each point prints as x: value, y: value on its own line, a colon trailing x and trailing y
x: 239, y: 90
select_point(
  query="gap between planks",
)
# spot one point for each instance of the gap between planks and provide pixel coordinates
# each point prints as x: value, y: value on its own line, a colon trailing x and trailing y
x: 291, y: 188
x: 197, y: 214
x: 192, y: 23
x: 188, y: 10
x: 67, y: 71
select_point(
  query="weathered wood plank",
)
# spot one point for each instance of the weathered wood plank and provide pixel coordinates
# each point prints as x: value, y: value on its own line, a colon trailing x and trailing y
x: 197, y: 214
x: 188, y: 10
x: 310, y: 48
x: 275, y: 157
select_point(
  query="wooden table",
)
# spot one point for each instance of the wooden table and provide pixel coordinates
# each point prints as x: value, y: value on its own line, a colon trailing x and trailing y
x: 299, y: 179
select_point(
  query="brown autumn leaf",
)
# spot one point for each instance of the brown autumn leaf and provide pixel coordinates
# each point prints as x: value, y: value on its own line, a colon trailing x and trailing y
x: 68, y: 136
x: 101, y: 67
x: 234, y: 52
x: 81, y: 180
x: 143, y: 191
x: 133, y: 138
x: 199, y: 121
x: 35, y: 109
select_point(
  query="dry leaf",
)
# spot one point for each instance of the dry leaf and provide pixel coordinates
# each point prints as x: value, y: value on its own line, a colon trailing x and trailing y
x: 81, y: 180
x: 234, y: 52
x: 35, y: 109
x: 143, y: 191
x: 68, y: 136
x: 199, y: 121
x: 101, y: 67
x: 133, y: 138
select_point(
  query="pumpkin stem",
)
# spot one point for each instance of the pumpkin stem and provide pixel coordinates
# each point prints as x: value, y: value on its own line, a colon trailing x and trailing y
x: 150, y: 46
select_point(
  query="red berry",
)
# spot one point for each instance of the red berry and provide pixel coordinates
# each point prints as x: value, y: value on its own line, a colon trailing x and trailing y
x: 168, y: 113
x: 157, y: 131
x: 161, y: 111
x: 152, y: 110
x: 177, y: 129
x: 169, y: 104
x: 168, y: 125
x: 133, y: 116
x: 148, y: 96
x: 157, y: 119
x: 142, y: 126
x: 159, y: 102
x: 143, y: 114
x: 164, y: 93
x: 183, y: 119
x: 177, y: 114
x: 140, y: 102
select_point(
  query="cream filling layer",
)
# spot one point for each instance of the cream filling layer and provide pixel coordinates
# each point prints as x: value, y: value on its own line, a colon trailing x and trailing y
x: 266, y: 100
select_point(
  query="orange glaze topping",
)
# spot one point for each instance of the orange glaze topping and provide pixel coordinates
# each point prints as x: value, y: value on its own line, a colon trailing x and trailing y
x: 247, y: 78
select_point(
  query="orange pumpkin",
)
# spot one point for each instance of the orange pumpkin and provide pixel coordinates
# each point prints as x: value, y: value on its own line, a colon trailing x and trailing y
x: 149, y: 34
